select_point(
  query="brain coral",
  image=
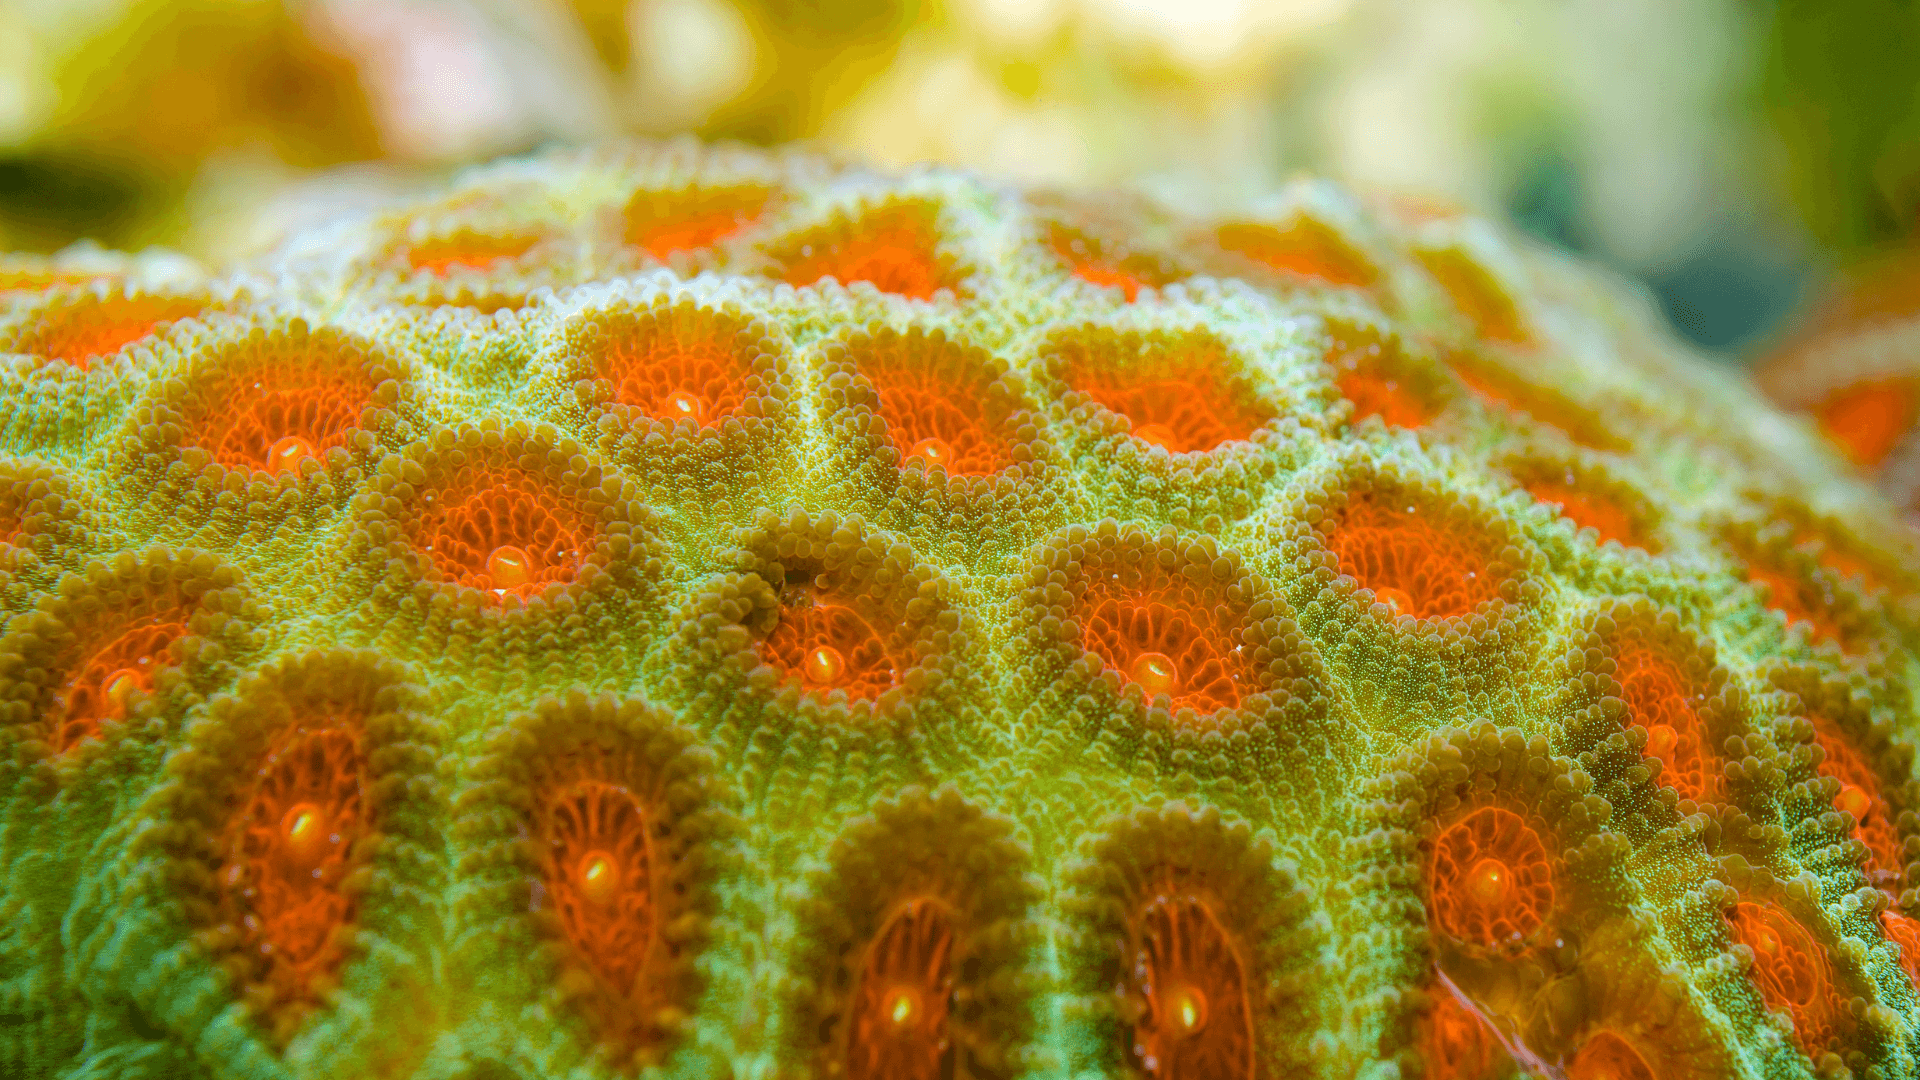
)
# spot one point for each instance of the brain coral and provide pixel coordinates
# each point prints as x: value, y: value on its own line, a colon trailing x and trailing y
x: 687, y: 612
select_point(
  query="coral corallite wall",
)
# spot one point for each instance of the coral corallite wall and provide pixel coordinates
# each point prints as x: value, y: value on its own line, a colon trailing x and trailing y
x: 664, y: 611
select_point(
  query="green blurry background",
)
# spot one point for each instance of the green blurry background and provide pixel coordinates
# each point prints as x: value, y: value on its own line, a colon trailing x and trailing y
x: 1734, y: 155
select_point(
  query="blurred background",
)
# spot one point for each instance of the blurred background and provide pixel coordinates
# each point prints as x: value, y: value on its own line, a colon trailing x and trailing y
x: 1739, y: 157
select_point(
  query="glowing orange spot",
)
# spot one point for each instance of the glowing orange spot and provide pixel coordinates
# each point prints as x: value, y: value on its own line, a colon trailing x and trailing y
x: 1430, y: 573
x: 500, y: 530
x: 826, y: 646
x: 1873, y: 823
x: 1192, y: 404
x: 1166, y: 645
x: 102, y: 685
x: 897, y: 1022
x: 303, y: 832
x: 1155, y: 673
x: 933, y: 451
x: 468, y: 250
x: 891, y: 249
x: 1788, y: 967
x: 1607, y: 1056
x: 290, y: 848
x: 1394, y: 404
x: 1490, y: 881
x: 1303, y: 248
x: 681, y: 405
x: 1188, y: 971
x: 287, y: 452
x: 1589, y: 510
x: 825, y: 665
x: 599, y: 879
x: 1098, y: 262
x: 1868, y: 419
x: 599, y: 867
x: 1399, y: 600
x: 1659, y: 697
x: 1477, y: 294
x: 509, y: 566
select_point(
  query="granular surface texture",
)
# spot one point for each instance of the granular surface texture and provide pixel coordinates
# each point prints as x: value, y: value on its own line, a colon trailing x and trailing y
x: 682, y: 612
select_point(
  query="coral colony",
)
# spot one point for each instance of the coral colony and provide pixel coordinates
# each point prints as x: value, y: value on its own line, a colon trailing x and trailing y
x: 664, y: 611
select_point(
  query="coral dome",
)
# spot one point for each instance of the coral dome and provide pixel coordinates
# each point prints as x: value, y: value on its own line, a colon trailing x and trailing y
x: 690, y: 612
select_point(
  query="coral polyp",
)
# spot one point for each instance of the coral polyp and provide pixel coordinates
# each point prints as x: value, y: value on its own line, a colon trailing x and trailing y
x: 670, y: 611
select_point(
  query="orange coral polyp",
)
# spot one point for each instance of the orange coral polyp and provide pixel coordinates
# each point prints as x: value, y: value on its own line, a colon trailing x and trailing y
x: 1455, y: 1041
x: 1304, y: 248
x: 598, y: 866
x: 933, y: 419
x: 467, y: 250
x: 1386, y: 398
x: 663, y: 223
x: 1904, y: 932
x: 1607, y: 1056
x: 1868, y: 419
x: 101, y: 327
x: 678, y: 372
x: 827, y: 646
x: 1189, y: 974
x: 501, y: 531
x: 1589, y: 510
x: 1659, y: 698
x: 1860, y: 795
x: 1109, y: 277
x: 897, y: 1020
x: 1164, y: 646
x: 1788, y: 967
x: 1797, y: 601
x: 1400, y: 555
x: 1192, y: 410
x: 892, y: 250
x: 102, y: 684
x: 1490, y: 880
x: 264, y: 415
x: 290, y: 848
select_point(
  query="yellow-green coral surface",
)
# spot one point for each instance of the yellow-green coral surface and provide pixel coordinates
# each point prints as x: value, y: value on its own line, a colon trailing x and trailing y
x: 699, y: 613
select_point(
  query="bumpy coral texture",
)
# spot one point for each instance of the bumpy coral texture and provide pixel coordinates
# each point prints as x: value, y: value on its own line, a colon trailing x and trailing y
x: 681, y: 612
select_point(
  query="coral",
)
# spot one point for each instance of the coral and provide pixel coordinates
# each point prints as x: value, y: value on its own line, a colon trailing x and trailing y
x: 669, y: 611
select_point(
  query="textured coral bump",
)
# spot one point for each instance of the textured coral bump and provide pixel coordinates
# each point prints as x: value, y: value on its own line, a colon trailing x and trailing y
x: 674, y: 611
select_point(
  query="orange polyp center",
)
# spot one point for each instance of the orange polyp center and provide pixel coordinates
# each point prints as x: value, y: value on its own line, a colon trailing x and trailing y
x: 1867, y: 420
x: 101, y: 687
x: 1607, y: 1056
x: 1165, y: 646
x: 1156, y: 673
x: 1198, y: 1020
x: 1110, y: 277
x: 1659, y: 696
x: 684, y: 406
x: 1797, y: 602
x: 289, y: 850
x: 1427, y: 572
x: 468, y: 251
x: 599, y: 878
x: 1490, y: 881
x: 826, y: 666
x: 104, y: 326
x: 892, y: 249
x: 303, y: 831
x: 1303, y: 248
x: 831, y: 647
x: 286, y: 453
x: 1457, y: 1044
x: 1904, y: 932
x: 1158, y: 435
x: 1186, y: 1010
x: 933, y: 451
x: 897, y: 1020
x: 1859, y: 795
x: 510, y: 566
x: 666, y: 222
x: 1374, y: 395
x: 1787, y: 965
